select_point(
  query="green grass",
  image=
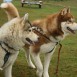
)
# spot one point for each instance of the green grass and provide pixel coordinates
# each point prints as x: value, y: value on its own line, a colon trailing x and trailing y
x: 68, y: 57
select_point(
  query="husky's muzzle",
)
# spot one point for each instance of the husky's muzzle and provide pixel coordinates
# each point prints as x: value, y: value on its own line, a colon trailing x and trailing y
x: 72, y: 31
x: 31, y: 42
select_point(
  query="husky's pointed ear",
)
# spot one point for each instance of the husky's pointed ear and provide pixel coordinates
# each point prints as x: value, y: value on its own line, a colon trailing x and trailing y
x: 68, y: 10
x: 63, y: 11
x: 25, y: 17
x: 24, y: 20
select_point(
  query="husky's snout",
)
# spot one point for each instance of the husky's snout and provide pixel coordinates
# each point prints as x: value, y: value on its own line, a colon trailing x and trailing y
x: 30, y: 41
x: 27, y: 39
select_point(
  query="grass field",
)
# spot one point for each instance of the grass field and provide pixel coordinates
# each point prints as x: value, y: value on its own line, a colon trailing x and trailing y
x: 68, y: 58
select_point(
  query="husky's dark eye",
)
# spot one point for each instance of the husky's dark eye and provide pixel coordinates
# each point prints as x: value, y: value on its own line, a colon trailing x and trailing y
x: 29, y: 30
x: 70, y: 20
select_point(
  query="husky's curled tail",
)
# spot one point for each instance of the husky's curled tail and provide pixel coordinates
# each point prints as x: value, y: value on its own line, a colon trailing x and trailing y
x: 10, y: 10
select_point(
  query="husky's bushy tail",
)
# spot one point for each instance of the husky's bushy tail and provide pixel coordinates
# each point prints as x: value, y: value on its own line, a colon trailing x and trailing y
x: 10, y: 10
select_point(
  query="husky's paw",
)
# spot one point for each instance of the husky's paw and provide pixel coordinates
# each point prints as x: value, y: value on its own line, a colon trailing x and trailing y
x: 32, y: 66
x: 39, y: 73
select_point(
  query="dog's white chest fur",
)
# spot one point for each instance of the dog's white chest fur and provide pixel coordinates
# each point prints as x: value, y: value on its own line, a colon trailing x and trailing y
x: 47, y: 47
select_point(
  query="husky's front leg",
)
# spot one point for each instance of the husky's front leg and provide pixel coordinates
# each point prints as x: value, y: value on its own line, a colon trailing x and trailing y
x: 29, y: 61
x: 38, y: 64
x: 8, y: 66
x: 8, y: 71
x: 47, y: 59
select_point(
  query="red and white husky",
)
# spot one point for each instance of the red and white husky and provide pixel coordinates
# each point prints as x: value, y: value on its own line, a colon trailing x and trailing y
x: 55, y: 27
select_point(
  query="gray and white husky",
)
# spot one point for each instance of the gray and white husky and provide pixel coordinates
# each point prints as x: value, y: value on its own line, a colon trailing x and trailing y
x: 13, y: 36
